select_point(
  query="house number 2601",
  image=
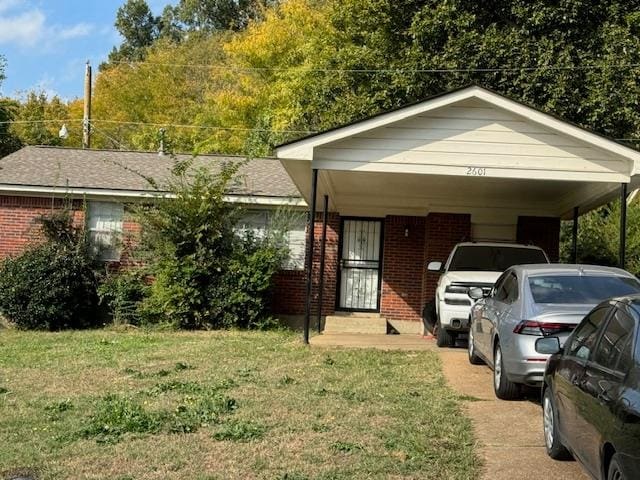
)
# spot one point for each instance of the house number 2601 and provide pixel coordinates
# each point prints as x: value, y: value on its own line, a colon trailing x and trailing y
x: 476, y: 171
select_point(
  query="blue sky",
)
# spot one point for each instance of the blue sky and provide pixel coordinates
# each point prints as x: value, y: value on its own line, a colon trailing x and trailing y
x: 47, y: 42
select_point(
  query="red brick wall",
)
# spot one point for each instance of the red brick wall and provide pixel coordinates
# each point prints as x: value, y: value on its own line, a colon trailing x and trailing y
x: 290, y: 286
x: 402, y: 269
x: 543, y: 232
x: 18, y: 221
x: 443, y: 231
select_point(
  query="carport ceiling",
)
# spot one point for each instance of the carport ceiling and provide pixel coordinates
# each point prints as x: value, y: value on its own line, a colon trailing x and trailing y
x: 419, y: 194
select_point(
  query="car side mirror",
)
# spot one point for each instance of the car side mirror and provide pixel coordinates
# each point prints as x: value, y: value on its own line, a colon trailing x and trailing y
x: 434, y: 266
x: 475, y: 293
x: 548, y: 345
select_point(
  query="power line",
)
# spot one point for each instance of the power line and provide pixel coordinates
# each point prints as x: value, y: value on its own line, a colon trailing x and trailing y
x: 154, y: 124
x: 381, y: 70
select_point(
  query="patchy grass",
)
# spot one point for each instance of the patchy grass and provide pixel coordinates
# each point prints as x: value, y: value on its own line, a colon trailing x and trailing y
x: 223, y: 405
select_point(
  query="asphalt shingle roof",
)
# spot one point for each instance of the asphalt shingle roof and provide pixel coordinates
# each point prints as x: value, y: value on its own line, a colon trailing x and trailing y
x: 125, y: 170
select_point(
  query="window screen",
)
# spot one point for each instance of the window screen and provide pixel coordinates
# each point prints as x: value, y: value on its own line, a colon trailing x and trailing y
x: 105, y: 228
x: 258, y: 223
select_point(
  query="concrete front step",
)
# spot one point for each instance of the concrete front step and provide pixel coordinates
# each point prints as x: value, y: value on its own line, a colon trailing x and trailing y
x: 358, y: 323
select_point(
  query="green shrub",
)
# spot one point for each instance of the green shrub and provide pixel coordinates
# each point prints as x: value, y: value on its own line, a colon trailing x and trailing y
x: 206, y: 274
x: 122, y: 292
x: 51, y: 286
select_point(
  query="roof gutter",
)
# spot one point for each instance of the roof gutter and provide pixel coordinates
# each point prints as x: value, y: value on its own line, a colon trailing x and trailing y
x: 262, y: 200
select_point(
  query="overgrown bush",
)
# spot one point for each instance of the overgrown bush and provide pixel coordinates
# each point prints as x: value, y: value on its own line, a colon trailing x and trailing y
x: 51, y: 286
x: 122, y: 292
x: 207, y: 274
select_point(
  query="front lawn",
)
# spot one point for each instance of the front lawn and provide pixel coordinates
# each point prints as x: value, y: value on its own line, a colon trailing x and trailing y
x: 209, y: 405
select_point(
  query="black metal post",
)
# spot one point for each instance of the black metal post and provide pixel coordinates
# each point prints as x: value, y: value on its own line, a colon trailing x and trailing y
x: 623, y: 225
x: 309, y: 262
x: 574, y: 238
x: 322, y: 251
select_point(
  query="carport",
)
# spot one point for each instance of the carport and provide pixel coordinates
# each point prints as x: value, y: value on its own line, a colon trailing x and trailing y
x: 401, y: 188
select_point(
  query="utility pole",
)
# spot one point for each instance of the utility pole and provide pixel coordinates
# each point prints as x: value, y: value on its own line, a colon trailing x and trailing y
x: 86, y: 122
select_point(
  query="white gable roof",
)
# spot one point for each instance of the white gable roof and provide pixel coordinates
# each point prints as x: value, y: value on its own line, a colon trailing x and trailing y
x: 494, y: 139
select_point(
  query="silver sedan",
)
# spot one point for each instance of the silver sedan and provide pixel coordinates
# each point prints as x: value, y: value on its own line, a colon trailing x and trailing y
x: 532, y: 301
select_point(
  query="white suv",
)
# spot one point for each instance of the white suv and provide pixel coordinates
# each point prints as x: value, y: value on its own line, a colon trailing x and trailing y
x: 470, y: 265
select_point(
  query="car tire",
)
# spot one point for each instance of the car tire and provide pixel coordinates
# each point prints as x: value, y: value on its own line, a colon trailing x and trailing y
x: 474, y: 359
x: 503, y: 387
x: 555, y: 448
x: 615, y: 470
x: 444, y: 338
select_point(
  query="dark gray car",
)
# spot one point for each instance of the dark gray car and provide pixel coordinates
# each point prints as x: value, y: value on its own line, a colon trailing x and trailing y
x: 532, y: 301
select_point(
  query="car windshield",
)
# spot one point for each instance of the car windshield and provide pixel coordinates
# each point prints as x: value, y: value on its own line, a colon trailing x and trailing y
x: 586, y: 289
x: 484, y: 258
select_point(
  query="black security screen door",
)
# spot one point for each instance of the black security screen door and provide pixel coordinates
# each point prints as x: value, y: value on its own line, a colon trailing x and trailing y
x: 360, y: 265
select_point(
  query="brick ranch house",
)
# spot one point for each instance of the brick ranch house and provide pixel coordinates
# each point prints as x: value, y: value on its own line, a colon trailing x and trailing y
x: 400, y: 189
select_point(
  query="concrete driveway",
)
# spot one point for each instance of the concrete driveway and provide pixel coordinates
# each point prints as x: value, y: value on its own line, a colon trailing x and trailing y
x: 509, y: 433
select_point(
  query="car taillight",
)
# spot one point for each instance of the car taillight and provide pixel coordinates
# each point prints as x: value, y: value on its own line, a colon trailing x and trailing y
x: 541, y: 329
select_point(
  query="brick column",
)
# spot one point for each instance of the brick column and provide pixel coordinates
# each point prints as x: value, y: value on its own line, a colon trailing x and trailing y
x: 403, y: 261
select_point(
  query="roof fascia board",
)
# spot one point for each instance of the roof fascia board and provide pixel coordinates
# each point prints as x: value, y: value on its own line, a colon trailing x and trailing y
x: 138, y: 195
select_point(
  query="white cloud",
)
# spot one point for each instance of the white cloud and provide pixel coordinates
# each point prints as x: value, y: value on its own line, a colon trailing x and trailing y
x: 75, y: 31
x: 29, y: 28
x: 9, y: 4
x: 23, y: 29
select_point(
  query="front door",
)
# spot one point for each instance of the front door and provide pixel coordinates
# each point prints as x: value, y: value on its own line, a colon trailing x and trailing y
x: 360, y: 265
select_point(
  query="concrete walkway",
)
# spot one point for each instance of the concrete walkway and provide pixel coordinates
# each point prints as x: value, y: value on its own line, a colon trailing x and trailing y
x: 509, y: 434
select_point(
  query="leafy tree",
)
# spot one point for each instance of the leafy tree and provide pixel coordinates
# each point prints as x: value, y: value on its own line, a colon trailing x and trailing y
x: 9, y: 142
x: 139, y: 29
x: 215, y: 15
x: 599, y: 237
x: 43, y: 119
x: 157, y: 94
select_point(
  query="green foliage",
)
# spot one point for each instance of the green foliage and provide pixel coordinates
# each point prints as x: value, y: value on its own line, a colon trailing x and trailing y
x: 138, y: 27
x: 239, y: 431
x: 116, y: 415
x: 206, y: 275
x: 599, y: 237
x: 345, y: 447
x: 9, y: 142
x: 122, y: 293
x: 51, y: 286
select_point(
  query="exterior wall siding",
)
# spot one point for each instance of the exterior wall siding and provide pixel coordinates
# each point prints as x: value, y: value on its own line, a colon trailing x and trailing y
x: 402, y: 270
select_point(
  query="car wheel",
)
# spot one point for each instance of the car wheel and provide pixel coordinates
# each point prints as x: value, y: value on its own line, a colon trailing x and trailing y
x: 615, y: 471
x: 503, y: 387
x: 471, y: 349
x: 555, y: 449
x: 444, y: 338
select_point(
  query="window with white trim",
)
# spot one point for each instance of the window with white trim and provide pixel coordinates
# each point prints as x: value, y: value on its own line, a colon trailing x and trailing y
x: 104, y: 223
x: 258, y: 222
